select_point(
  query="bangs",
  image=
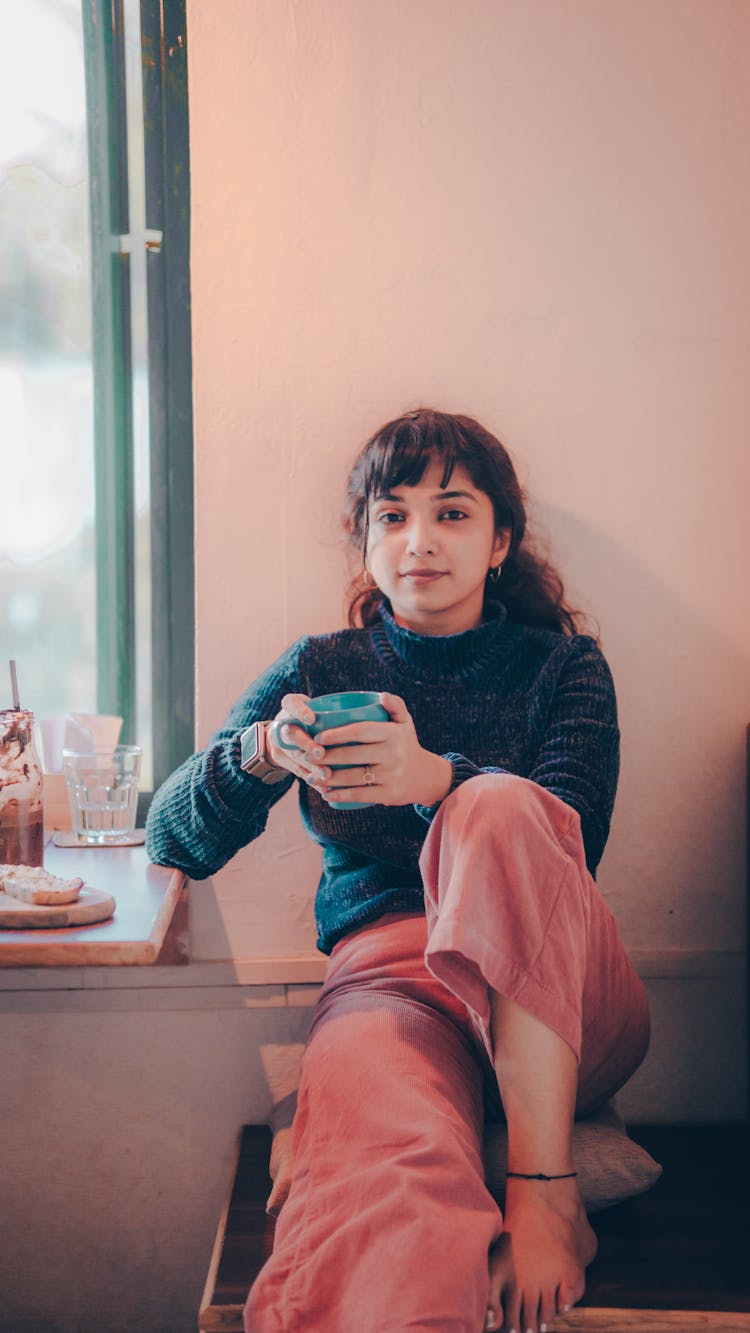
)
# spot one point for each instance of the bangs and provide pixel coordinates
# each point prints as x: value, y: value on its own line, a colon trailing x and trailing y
x: 403, y: 452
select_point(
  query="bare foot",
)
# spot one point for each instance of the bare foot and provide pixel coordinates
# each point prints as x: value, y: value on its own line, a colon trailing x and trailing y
x: 537, y: 1266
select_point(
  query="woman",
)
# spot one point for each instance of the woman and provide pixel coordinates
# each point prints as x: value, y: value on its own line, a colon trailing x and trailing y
x: 469, y: 948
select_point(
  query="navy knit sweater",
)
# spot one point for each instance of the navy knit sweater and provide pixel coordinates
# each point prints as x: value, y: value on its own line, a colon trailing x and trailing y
x: 503, y: 697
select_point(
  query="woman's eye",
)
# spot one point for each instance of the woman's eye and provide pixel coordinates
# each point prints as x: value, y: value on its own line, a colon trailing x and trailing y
x: 390, y: 516
x: 453, y: 514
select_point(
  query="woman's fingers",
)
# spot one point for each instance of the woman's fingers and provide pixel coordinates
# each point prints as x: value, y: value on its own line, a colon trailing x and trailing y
x: 280, y: 1168
x: 313, y: 756
x: 304, y: 761
x: 395, y: 707
x: 297, y: 706
x: 359, y: 733
x: 305, y: 751
x: 305, y: 765
x: 294, y: 735
x: 363, y: 791
x: 346, y: 756
x: 278, y: 1196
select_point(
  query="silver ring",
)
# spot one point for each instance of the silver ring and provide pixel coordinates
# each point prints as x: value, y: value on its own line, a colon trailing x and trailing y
x: 369, y: 775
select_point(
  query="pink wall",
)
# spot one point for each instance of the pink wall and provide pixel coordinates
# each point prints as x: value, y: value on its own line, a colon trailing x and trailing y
x: 537, y: 213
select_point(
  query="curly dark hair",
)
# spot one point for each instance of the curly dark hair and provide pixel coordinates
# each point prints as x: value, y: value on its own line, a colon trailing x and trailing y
x: 398, y: 454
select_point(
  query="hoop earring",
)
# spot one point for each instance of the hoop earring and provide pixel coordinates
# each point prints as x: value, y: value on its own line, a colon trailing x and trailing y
x: 495, y: 572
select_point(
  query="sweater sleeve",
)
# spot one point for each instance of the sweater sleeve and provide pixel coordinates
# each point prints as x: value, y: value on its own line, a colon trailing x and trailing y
x: 209, y: 808
x: 578, y: 759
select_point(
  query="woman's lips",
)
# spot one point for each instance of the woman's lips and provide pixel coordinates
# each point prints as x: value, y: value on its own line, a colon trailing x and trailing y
x: 423, y: 575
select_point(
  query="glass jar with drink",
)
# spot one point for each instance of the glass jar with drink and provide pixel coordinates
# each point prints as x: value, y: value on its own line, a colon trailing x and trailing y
x: 21, y: 791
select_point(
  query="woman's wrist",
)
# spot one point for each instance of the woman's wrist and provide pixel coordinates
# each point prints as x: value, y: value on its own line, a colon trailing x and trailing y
x: 438, y: 779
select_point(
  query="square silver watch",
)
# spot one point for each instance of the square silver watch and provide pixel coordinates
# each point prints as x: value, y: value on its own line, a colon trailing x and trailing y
x: 254, y: 755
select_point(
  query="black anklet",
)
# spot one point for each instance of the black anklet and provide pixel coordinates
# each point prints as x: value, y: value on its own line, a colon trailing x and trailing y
x: 519, y: 1175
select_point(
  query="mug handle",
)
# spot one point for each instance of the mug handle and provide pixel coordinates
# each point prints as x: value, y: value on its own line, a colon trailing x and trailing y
x: 274, y: 731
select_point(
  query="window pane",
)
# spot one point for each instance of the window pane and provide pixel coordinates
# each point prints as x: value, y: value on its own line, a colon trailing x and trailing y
x: 47, y: 587
x: 48, y: 553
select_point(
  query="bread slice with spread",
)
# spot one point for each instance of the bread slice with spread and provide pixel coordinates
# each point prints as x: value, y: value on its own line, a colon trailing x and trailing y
x: 32, y: 884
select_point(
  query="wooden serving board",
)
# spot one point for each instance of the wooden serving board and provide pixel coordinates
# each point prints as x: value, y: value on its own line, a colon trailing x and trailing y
x: 90, y: 906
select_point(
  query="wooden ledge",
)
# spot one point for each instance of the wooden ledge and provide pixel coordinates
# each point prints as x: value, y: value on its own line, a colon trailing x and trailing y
x: 146, y: 898
x: 617, y: 1320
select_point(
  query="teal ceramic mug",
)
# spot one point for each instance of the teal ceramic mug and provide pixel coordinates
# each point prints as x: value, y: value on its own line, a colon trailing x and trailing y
x: 337, y: 710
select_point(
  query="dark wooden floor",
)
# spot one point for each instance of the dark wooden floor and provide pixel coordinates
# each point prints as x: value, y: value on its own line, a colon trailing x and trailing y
x: 685, y: 1245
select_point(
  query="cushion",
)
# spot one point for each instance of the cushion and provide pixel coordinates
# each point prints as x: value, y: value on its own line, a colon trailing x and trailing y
x: 610, y: 1166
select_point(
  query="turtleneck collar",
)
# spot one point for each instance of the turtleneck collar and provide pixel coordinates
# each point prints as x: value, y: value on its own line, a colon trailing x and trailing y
x: 460, y: 655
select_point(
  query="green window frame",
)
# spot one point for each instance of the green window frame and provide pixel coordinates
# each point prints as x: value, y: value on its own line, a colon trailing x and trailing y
x: 167, y: 240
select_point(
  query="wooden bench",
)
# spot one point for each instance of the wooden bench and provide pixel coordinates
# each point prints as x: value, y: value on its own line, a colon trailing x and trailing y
x: 676, y: 1258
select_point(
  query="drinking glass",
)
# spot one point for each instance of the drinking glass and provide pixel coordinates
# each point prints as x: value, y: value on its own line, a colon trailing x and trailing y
x: 103, y: 793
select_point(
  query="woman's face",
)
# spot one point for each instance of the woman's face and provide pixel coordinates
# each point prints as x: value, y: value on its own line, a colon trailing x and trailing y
x: 429, y: 550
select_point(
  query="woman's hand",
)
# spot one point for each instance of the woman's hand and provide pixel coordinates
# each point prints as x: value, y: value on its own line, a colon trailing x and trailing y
x: 401, y: 771
x: 280, y: 1170
x: 305, y: 762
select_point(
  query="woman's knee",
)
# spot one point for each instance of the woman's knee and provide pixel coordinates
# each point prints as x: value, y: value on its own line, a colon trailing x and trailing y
x: 504, y: 797
x: 499, y: 824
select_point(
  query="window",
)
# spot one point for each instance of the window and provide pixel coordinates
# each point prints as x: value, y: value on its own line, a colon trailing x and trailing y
x: 96, y: 551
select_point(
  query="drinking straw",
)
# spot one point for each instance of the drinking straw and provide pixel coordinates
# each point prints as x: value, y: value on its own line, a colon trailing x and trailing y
x: 14, y: 686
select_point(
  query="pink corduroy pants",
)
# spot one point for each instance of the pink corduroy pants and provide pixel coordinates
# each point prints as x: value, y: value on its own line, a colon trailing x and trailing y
x: 388, y: 1221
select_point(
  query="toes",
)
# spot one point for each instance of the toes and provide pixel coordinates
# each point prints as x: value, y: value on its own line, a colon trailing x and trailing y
x: 493, y: 1319
x: 500, y: 1278
x: 499, y: 1316
x: 512, y: 1313
x: 547, y: 1311
x: 568, y: 1294
x: 530, y: 1313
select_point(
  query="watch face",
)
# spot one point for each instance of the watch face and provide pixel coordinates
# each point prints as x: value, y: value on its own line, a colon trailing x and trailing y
x: 250, y: 745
